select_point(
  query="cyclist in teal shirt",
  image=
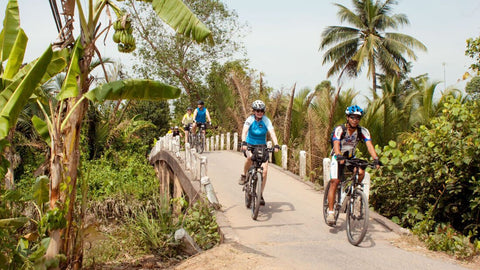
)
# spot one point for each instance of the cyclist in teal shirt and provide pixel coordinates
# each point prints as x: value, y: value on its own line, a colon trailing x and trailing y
x: 201, y: 115
x: 254, y: 132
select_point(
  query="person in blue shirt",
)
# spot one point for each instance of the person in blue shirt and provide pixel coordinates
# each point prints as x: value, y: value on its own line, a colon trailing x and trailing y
x: 200, y: 115
x: 254, y: 132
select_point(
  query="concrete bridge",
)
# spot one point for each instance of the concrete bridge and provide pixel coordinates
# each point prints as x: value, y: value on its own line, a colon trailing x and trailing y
x: 290, y: 227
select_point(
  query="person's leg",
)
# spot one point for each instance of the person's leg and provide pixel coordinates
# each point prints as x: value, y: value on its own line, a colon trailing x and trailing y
x: 361, y: 175
x: 265, y: 170
x: 246, y: 166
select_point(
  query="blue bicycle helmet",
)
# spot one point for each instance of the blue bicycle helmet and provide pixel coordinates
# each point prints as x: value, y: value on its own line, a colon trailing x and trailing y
x: 355, y: 110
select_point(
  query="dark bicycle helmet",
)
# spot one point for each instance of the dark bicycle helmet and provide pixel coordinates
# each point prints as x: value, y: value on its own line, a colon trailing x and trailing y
x: 189, y: 108
x: 355, y: 110
x: 258, y: 105
x: 200, y: 102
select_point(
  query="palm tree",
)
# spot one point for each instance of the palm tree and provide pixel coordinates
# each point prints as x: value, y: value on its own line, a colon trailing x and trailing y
x: 367, y: 41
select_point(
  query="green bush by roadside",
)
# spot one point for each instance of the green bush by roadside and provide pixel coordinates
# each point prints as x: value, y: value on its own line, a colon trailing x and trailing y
x: 431, y: 180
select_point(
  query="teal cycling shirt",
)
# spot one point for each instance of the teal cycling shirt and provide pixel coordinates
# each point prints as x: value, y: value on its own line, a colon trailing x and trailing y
x: 257, y: 130
x: 201, y: 116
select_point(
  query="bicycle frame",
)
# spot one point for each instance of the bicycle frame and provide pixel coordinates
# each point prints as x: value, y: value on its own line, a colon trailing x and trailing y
x: 351, y: 200
x: 253, y: 186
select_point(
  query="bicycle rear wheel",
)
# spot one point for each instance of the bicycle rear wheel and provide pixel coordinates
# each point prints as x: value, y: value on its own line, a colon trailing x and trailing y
x: 335, y: 205
x: 357, y: 217
x: 248, y: 191
x: 257, y: 195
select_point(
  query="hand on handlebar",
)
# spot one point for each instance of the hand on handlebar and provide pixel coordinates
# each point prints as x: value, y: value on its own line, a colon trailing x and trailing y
x: 377, y: 163
x: 244, y: 146
x: 277, y: 148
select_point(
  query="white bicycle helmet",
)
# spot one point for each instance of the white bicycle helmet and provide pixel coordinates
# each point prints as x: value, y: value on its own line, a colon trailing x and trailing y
x: 258, y: 105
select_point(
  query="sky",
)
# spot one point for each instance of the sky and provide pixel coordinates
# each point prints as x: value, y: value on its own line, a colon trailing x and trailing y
x: 284, y: 38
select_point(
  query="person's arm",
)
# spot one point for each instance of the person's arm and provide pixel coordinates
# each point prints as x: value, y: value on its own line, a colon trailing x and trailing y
x: 371, y: 150
x: 274, y: 139
x: 184, y: 122
x: 194, y: 115
x: 208, y: 115
x: 244, y: 137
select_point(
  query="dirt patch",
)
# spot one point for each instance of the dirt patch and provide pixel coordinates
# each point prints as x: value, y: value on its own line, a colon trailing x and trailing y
x: 229, y: 256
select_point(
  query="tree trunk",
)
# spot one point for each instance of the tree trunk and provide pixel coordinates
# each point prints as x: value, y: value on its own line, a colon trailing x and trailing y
x: 288, y: 118
x: 10, y: 156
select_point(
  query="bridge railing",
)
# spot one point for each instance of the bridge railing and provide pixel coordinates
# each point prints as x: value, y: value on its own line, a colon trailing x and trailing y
x: 193, y: 162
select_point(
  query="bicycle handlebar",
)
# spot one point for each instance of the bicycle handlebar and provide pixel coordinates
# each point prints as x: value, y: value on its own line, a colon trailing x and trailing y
x: 357, y: 162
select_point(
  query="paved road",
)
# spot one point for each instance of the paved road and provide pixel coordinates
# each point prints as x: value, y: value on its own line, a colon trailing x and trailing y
x: 290, y: 226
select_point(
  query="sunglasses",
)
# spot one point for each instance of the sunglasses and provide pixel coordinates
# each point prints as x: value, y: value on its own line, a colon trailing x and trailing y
x: 262, y: 111
x: 356, y: 117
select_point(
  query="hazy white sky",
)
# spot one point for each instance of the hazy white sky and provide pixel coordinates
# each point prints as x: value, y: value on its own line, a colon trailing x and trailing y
x: 285, y: 36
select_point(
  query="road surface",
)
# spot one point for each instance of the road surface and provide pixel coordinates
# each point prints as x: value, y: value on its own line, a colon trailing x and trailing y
x: 291, y: 230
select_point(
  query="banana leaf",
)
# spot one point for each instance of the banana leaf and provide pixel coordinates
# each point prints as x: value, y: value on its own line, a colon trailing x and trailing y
x: 17, y: 53
x: 70, y: 85
x: 42, y: 129
x: 133, y: 89
x: 40, y: 190
x: 19, y: 97
x: 176, y: 14
x: 11, y: 24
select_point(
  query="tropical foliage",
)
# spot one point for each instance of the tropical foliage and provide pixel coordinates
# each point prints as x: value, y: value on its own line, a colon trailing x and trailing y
x: 367, y: 41
x: 97, y: 131
x: 431, y: 176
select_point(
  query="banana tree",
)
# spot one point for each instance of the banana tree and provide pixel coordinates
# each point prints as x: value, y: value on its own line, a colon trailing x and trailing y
x: 66, y: 119
x: 19, y: 82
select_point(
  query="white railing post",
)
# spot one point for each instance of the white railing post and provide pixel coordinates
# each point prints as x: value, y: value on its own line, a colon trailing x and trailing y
x: 217, y: 142
x: 193, y: 160
x: 188, y: 159
x: 235, y: 141
x: 270, y: 157
x: 326, y: 171
x: 222, y: 141
x: 303, y: 164
x: 366, y: 184
x: 212, y: 145
x: 207, y: 145
x: 211, y: 196
x: 284, y: 157
x: 203, y: 166
x: 177, y: 146
x: 228, y: 141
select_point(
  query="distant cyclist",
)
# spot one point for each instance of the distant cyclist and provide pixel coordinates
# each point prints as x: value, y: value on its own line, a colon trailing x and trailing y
x: 187, y: 122
x: 345, y: 140
x: 201, y: 115
x: 254, y: 132
x: 176, y: 131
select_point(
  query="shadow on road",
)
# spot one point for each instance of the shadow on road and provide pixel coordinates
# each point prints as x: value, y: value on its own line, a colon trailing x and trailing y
x: 271, y: 208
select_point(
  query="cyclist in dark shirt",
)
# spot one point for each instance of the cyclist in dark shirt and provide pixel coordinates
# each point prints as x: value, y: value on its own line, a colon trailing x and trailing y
x: 344, y: 145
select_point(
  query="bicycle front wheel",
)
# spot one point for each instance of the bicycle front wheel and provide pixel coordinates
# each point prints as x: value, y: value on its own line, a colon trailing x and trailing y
x: 202, y: 144
x: 357, y: 217
x: 248, y: 191
x: 257, y: 196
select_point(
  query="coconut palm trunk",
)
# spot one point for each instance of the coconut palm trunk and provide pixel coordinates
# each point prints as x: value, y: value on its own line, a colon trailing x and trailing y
x: 288, y: 117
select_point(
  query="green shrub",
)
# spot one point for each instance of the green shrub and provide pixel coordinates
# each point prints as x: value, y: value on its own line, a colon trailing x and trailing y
x: 125, y: 174
x: 433, y: 176
x: 200, y: 222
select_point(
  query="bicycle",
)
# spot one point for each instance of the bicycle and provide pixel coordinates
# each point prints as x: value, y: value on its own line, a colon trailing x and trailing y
x: 254, y: 178
x: 198, y: 139
x: 351, y: 199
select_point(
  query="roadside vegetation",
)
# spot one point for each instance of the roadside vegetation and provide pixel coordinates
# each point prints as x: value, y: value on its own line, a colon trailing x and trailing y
x: 78, y: 189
